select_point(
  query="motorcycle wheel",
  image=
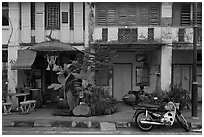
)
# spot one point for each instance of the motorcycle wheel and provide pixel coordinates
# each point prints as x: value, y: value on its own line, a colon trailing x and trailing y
x: 142, y: 116
x: 186, y: 125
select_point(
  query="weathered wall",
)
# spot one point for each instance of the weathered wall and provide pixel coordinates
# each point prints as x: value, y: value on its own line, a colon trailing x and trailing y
x: 153, y: 61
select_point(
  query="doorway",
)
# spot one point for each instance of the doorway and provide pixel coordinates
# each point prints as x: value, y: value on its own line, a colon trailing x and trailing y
x: 122, y: 80
x: 182, y: 75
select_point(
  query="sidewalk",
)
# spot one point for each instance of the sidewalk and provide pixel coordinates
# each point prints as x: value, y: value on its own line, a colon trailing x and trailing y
x: 121, y: 119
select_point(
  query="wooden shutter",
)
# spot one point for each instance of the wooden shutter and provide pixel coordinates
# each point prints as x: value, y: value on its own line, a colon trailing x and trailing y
x: 123, y: 14
x: 199, y: 14
x: 133, y: 19
x: 185, y: 14
x: 144, y: 14
x: 111, y: 15
x: 154, y: 14
x: 101, y: 15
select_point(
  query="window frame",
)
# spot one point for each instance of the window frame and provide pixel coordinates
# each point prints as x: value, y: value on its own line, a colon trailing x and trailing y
x: 57, y: 26
x: 138, y: 83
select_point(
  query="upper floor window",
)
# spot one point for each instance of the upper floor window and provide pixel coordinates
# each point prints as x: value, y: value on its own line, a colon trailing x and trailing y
x: 52, y: 15
x: 5, y: 12
x: 128, y: 13
x: 183, y: 14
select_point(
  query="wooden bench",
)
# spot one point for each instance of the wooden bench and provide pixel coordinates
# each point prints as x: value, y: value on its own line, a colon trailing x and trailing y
x: 27, y: 106
x: 6, y: 108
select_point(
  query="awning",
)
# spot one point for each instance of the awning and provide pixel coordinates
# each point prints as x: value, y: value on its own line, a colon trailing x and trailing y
x: 55, y: 45
x: 25, y: 60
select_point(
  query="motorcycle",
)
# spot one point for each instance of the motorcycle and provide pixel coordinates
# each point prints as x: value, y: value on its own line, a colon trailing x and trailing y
x: 147, y: 116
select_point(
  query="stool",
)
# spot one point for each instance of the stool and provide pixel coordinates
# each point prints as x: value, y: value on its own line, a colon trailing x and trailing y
x: 27, y: 106
x: 6, y: 108
x: 32, y: 105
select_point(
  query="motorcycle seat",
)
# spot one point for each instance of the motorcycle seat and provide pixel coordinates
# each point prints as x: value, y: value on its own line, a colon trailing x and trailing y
x: 148, y: 105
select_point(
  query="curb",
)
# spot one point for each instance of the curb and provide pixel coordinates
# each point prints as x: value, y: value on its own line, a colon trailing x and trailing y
x: 76, y: 124
x: 72, y: 124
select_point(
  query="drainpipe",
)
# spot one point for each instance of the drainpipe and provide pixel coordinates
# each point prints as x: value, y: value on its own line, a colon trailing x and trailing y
x: 194, y: 84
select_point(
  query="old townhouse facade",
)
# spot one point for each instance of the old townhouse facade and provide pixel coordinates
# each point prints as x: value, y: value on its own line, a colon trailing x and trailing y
x: 27, y: 23
x: 153, y: 41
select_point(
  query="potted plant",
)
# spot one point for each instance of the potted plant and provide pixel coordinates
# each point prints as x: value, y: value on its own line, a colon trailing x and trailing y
x: 179, y: 95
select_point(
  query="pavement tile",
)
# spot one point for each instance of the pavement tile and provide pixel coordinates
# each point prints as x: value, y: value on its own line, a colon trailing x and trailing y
x: 61, y: 124
x: 107, y: 126
x: 8, y: 124
x: 41, y: 123
x: 24, y: 124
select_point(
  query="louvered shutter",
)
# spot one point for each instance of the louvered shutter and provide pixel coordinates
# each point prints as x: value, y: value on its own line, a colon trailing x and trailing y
x: 185, y: 15
x: 123, y: 15
x: 144, y: 14
x: 101, y: 16
x: 132, y: 15
x: 199, y: 14
x: 154, y: 14
x: 111, y: 15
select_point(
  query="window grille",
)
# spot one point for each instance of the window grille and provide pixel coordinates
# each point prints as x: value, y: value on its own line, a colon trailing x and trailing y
x: 199, y: 34
x: 105, y: 34
x: 52, y: 15
x: 32, y: 15
x: 134, y: 33
x: 127, y: 35
x: 181, y: 34
x: 150, y: 34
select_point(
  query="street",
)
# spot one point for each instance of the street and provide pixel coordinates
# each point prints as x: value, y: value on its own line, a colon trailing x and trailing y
x: 92, y: 131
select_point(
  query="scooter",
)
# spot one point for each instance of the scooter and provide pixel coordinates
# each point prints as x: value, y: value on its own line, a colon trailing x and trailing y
x: 147, y: 116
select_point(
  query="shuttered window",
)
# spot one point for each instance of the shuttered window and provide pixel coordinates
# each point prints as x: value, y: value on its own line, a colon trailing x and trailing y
x: 186, y: 14
x: 52, y: 15
x: 154, y: 14
x: 123, y: 14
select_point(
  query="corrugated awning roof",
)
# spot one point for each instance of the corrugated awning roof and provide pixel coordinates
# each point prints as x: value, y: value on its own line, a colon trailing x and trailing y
x: 25, y: 60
